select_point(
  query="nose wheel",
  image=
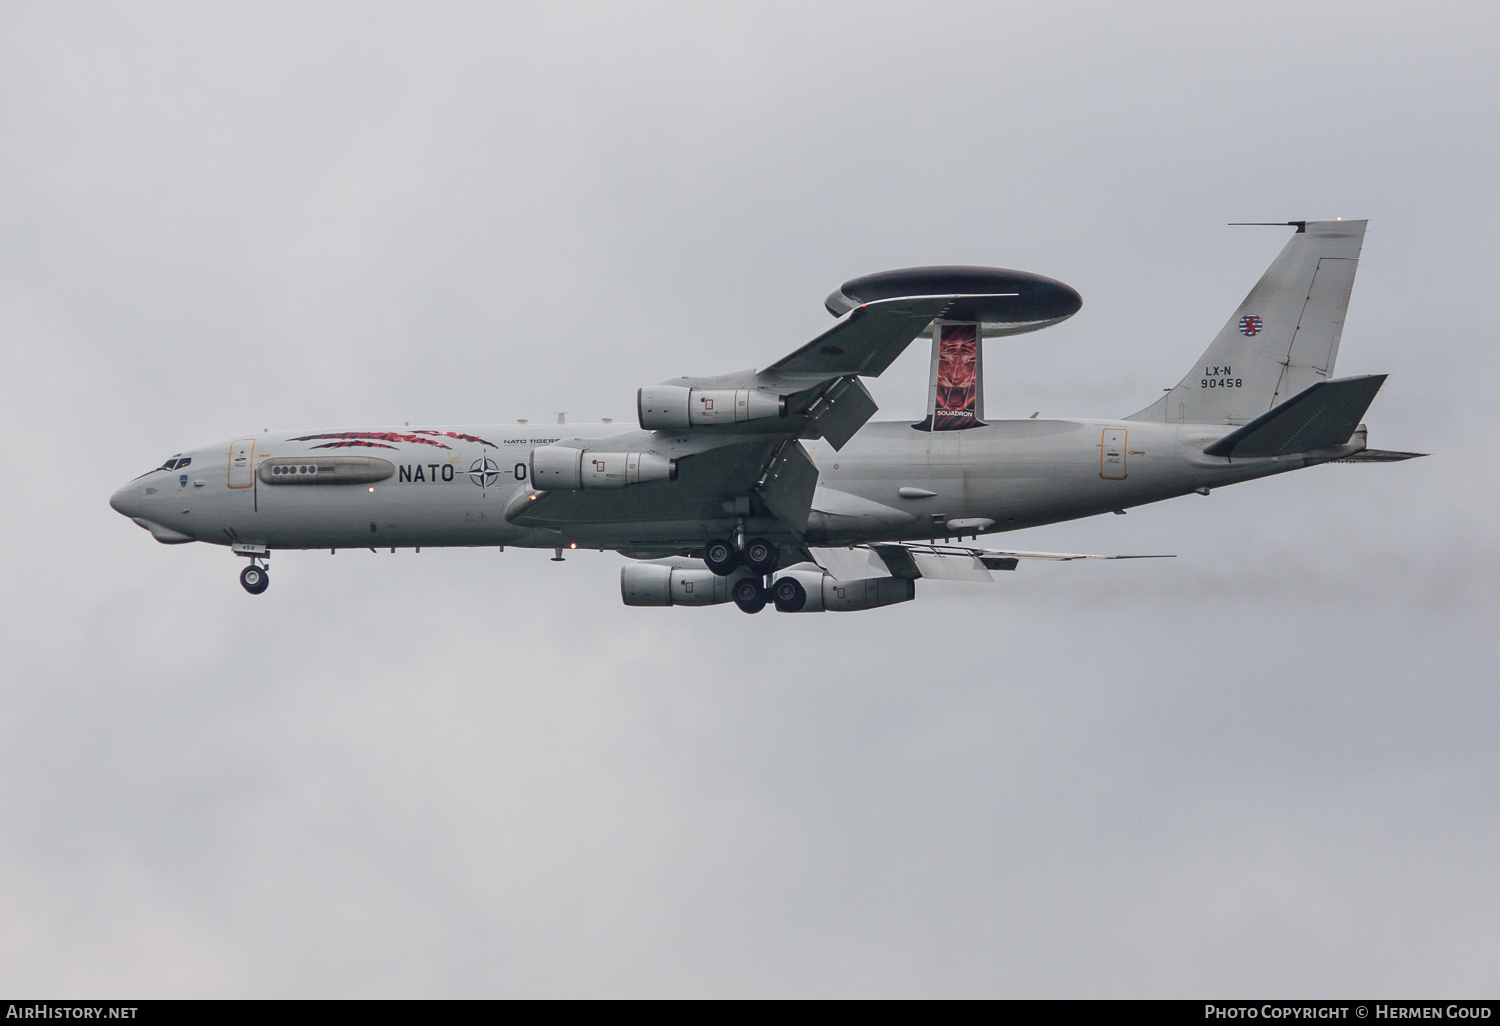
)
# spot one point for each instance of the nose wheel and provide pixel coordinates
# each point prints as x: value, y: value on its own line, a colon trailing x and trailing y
x: 254, y: 579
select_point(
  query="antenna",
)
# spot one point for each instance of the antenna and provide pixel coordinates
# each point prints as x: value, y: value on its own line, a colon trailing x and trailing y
x: 1301, y: 226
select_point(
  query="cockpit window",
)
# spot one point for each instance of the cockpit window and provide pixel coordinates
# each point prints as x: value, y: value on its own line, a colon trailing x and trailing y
x: 175, y: 463
x: 171, y: 464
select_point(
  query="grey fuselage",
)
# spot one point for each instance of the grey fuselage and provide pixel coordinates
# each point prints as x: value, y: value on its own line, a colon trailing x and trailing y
x: 1016, y: 474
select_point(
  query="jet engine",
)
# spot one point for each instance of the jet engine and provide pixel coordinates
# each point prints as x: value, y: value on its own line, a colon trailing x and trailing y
x: 677, y: 581
x: 676, y: 408
x: 560, y: 468
x: 807, y: 589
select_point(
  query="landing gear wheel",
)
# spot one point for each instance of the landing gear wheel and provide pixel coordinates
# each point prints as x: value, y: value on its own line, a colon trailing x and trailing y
x: 761, y: 556
x: 748, y: 595
x: 789, y: 595
x: 255, y: 579
x: 721, y: 557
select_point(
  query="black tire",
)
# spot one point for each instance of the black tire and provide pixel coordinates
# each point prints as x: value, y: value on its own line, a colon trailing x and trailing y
x: 720, y: 556
x: 761, y: 556
x: 748, y: 595
x: 254, y: 579
x: 789, y: 595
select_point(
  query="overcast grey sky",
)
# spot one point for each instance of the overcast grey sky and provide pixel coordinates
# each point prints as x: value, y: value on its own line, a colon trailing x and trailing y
x: 1266, y: 767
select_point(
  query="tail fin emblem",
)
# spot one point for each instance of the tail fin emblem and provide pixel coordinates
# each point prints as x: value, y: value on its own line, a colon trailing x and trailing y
x: 1250, y: 325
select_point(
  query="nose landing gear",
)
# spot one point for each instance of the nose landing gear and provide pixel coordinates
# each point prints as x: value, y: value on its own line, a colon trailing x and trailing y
x: 255, y: 579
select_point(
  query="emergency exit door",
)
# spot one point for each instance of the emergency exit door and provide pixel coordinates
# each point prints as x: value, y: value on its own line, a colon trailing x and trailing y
x: 1112, y: 455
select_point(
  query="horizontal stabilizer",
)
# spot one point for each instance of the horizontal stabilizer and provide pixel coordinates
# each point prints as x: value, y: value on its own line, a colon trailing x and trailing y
x: 1322, y: 416
x: 1381, y: 456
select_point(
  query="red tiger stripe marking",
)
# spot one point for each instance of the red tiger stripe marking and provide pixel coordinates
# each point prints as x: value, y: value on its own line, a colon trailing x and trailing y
x: 384, y: 436
x: 348, y: 443
x: 461, y: 437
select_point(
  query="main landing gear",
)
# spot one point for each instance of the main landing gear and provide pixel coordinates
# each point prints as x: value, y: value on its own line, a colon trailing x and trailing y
x: 255, y: 579
x: 752, y: 596
x: 756, y: 555
x: 721, y: 557
x: 749, y: 594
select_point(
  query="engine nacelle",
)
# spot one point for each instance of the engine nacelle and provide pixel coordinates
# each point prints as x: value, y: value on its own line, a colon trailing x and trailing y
x: 676, y: 408
x: 680, y: 582
x: 824, y: 593
x: 560, y: 468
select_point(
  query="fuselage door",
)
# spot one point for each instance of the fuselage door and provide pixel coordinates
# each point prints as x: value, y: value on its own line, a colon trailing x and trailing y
x: 241, y: 463
x: 1112, y: 455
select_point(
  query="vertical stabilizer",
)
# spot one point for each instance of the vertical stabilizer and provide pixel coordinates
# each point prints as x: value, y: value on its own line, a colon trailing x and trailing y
x: 1283, y: 338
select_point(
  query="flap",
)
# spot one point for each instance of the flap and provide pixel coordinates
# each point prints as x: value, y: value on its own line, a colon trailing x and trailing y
x: 841, y: 411
x: 954, y: 565
x: 951, y: 567
x: 788, y: 485
x: 858, y: 564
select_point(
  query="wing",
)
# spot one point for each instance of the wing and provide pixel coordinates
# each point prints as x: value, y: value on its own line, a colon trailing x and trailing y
x: 865, y: 341
x: 714, y: 479
x: 727, y: 462
x: 936, y: 562
x: 708, y: 474
x: 1381, y: 456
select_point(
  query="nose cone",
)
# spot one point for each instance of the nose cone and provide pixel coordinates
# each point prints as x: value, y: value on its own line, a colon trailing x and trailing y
x: 126, y: 501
